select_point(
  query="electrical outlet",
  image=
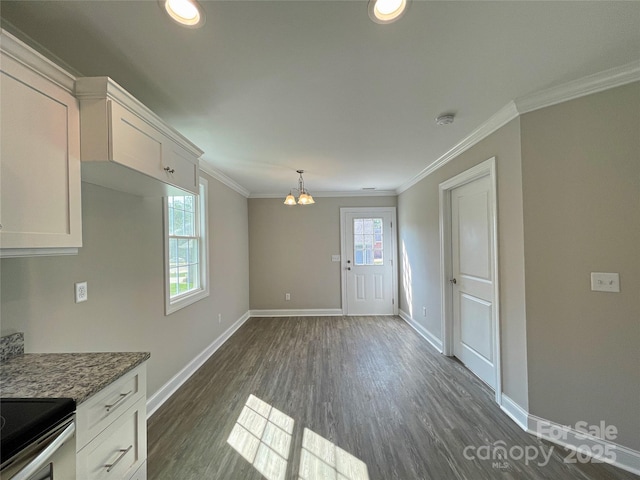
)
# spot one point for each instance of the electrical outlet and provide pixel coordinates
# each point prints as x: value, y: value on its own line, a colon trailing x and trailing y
x: 219, y: 318
x: 82, y: 293
x: 287, y: 296
x: 424, y: 311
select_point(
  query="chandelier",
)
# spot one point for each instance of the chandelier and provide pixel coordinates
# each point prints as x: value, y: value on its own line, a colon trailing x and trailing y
x: 304, y: 197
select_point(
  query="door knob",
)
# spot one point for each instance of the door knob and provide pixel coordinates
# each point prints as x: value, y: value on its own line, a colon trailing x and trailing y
x: 453, y: 281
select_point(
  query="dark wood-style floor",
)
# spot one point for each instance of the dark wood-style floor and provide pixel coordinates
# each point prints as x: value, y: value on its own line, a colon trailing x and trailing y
x: 369, y: 385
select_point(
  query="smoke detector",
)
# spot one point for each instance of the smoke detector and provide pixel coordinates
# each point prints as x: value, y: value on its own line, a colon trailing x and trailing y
x: 446, y: 119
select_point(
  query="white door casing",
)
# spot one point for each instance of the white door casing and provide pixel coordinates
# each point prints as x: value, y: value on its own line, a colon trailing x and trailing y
x: 368, y: 252
x: 469, y: 253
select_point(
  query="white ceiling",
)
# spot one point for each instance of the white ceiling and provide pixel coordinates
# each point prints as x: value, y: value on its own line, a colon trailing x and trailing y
x: 268, y: 87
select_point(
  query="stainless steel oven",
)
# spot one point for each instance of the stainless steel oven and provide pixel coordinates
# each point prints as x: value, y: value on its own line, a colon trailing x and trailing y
x: 38, y: 439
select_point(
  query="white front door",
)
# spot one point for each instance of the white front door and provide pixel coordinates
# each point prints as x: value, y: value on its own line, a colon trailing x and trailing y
x: 473, y: 282
x: 368, y: 253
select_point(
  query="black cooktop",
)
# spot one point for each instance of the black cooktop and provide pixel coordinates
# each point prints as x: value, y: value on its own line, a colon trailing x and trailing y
x: 24, y: 420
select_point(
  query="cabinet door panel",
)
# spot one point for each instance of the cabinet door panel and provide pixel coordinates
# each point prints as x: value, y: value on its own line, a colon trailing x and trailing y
x: 183, y: 172
x: 40, y: 167
x: 134, y: 142
x: 141, y: 147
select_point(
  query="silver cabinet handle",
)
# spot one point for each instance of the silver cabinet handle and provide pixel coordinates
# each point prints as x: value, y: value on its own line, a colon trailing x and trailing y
x: 44, y: 456
x: 169, y: 170
x: 123, y: 453
x: 122, y: 397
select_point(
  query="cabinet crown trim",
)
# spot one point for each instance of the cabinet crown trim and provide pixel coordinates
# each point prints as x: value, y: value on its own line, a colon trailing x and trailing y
x: 104, y: 88
x: 22, y: 53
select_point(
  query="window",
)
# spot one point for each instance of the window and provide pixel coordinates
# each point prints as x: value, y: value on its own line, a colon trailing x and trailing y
x: 185, y: 247
x: 367, y: 241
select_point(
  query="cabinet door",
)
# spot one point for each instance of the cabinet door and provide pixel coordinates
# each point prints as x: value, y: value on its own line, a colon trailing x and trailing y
x: 138, y: 145
x: 40, y: 204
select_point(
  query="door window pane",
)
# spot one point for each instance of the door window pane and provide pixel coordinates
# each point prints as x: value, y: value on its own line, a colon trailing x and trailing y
x: 368, y: 241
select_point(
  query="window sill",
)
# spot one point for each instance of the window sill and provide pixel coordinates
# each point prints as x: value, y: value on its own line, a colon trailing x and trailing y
x: 185, y: 301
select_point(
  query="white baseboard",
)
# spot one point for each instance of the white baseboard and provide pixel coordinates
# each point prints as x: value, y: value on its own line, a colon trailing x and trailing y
x: 583, y: 443
x: 308, y: 312
x: 423, y: 332
x: 156, y: 400
x: 570, y: 438
x: 515, y: 411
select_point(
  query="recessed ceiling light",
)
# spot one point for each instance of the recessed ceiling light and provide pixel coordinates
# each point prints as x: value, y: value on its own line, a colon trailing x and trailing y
x: 186, y: 12
x: 386, y: 11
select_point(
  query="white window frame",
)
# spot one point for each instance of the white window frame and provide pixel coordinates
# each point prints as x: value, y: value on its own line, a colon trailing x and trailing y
x: 173, y: 305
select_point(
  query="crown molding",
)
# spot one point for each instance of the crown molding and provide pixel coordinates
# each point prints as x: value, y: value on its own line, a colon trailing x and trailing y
x: 356, y: 193
x: 598, y: 82
x: 35, y: 61
x: 222, y: 178
x: 496, y: 121
x: 101, y: 88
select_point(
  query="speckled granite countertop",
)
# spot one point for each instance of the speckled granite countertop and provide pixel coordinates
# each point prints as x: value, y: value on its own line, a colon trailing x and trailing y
x: 68, y: 375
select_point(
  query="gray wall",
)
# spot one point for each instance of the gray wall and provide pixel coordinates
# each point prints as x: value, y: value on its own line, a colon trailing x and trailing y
x: 581, y: 172
x: 419, y: 231
x: 122, y: 260
x: 290, y: 251
x: 568, y: 205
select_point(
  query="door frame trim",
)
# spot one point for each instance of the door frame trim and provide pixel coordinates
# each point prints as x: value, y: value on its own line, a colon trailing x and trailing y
x: 486, y: 168
x: 343, y: 249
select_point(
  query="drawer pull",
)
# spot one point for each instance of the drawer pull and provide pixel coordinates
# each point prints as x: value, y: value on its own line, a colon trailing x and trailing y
x: 122, y: 397
x: 169, y: 170
x: 122, y: 455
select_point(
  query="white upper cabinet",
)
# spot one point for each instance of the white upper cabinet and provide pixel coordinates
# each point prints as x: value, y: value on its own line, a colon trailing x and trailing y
x: 126, y: 147
x: 40, y: 198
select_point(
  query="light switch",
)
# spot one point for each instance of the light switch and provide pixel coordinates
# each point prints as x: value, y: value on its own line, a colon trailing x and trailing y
x: 605, y: 282
x: 335, y: 258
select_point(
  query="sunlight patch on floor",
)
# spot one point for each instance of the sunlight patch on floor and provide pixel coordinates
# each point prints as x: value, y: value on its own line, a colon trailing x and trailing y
x: 321, y: 459
x: 262, y: 435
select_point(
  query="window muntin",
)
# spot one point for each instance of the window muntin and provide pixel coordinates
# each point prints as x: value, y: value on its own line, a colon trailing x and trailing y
x: 184, y: 239
x: 368, y: 241
x: 186, y: 249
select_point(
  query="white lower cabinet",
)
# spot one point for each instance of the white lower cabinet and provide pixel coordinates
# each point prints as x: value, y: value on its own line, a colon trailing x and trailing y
x: 117, y: 452
x: 141, y: 474
x: 111, y: 439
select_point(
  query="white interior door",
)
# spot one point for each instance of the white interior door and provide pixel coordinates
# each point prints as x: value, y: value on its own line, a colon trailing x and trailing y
x: 473, y: 283
x: 368, y: 251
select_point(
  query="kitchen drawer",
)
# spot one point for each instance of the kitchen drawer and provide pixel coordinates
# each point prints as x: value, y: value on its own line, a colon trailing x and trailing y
x: 119, y: 451
x: 96, y: 413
